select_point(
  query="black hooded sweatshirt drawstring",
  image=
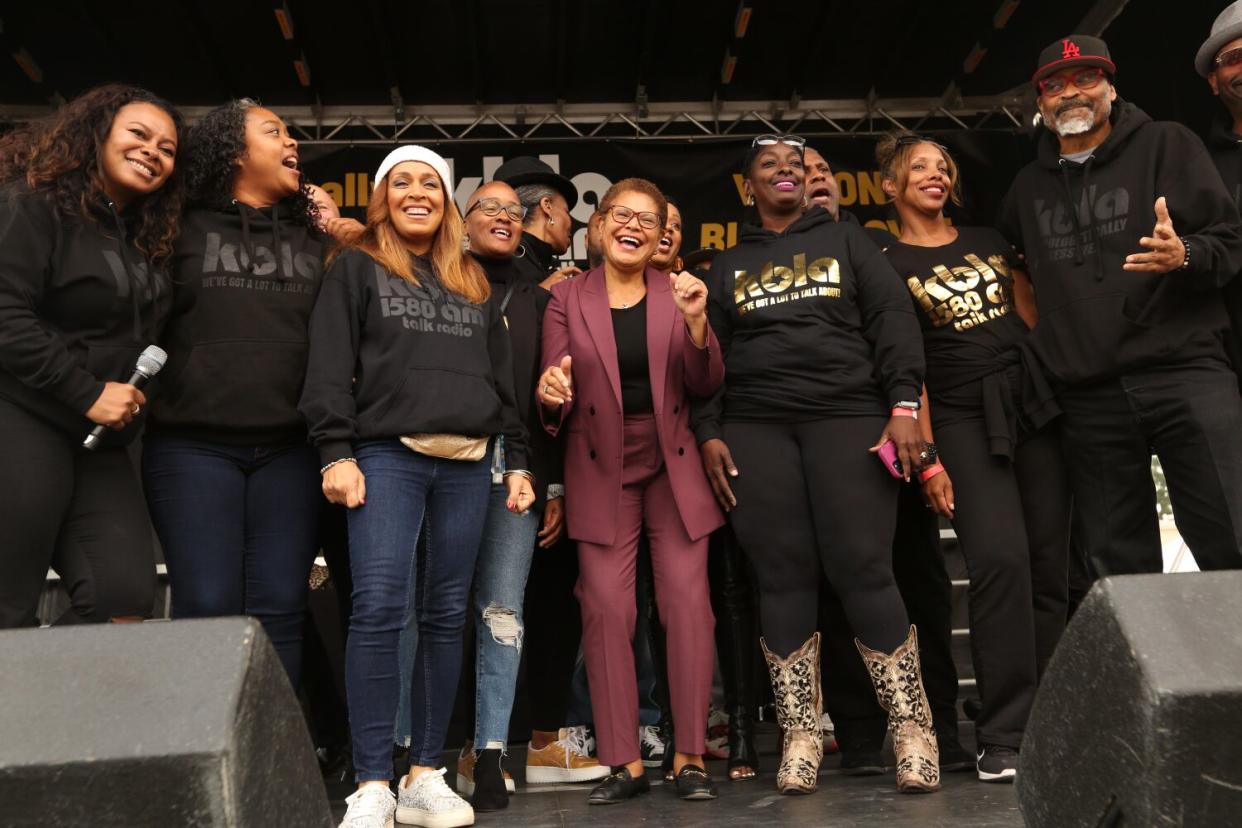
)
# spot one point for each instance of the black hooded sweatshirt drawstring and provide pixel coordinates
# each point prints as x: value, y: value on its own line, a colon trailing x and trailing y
x: 129, y: 270
x: 248, y: 243
x: 1080, y: 244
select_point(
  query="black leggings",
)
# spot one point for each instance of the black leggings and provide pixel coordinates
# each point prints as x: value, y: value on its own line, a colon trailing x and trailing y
x: 81, y: 513
x: 811, y: 498
x: 1012, y: 519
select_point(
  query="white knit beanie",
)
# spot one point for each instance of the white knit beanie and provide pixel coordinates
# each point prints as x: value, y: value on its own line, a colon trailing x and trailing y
x: 416, y: 152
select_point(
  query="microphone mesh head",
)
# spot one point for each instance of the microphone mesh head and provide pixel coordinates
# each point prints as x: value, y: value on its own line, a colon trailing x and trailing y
x: 152, y: 360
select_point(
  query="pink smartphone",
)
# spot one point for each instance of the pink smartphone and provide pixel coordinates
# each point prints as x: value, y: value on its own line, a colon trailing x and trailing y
x: 888, y: 456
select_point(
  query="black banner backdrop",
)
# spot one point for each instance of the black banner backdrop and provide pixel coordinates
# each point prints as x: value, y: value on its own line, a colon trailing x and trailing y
x: 704, y: 177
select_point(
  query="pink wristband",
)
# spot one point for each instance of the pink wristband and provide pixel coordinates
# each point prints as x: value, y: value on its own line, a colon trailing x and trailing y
x: 930, y: 472
x: 905, y: 412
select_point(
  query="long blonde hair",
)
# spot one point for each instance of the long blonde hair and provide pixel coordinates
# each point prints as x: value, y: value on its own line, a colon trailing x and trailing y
x: 457, y: 270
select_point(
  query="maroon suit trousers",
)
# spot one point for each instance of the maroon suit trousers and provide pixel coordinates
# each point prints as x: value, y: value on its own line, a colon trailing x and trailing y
x: 606, y: 593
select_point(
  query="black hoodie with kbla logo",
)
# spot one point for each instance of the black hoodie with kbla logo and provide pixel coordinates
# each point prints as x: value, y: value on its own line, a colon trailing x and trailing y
x: 244, y: 282
x: 1097, y: 320
x: 78, y: 304
x: 813, y: 323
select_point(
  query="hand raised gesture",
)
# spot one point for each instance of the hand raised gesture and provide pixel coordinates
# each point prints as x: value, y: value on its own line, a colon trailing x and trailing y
x: 556, y: 386
x: 1167, y: 250
x: 689, y: 293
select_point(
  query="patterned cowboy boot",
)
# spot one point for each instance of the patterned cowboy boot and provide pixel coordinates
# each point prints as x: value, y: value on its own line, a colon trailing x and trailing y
x: 795, y: 685
x: 898, y: 682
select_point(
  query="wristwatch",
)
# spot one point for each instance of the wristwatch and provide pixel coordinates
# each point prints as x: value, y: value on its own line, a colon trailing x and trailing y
x: 913, y: 405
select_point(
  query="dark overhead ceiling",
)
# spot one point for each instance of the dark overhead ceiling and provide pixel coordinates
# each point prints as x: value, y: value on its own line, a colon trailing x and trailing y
x: 436, y: 52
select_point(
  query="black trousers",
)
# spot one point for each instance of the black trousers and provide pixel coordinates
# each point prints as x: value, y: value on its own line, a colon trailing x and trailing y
x: 927, y: 593
x: 1189, y: 417
x: 811, y: 499
x: 81, y: 513
x: 737, y: 633
x: 1012, y: 520
x: 553, y: 632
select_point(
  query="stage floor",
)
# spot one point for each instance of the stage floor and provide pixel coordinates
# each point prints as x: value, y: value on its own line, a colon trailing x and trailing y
x: 843, y: 801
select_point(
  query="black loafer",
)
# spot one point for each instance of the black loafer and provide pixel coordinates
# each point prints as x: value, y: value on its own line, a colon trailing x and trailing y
x: 618, y: 787
x: 695, y: 783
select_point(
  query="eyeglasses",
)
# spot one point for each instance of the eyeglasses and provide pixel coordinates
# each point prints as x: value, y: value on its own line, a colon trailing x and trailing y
x: 493, y: 206
x: 771, y: 140
x: 1084, y: 79
x: 622, y: 215
x: 1231, y: 58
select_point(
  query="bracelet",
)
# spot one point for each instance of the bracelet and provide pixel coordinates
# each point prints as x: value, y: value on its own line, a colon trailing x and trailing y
x: 337, y: 463
x: 900, y: 411
x: 521, y: 473
x: 930, y: 472
x: 1185, y: 259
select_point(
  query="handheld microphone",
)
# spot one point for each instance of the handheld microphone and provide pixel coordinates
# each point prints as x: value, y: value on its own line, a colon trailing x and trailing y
x: 149, y: 364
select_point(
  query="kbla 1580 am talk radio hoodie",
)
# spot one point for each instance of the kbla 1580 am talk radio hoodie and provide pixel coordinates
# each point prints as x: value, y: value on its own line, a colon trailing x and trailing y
x: 813, y: 323
x: 390, y: 358
x: 78, y: 304
x: 244, y: 282
x: 1096, y: 320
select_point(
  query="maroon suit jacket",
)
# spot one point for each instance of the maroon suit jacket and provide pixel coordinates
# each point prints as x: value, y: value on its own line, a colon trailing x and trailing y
x: 578, y: 322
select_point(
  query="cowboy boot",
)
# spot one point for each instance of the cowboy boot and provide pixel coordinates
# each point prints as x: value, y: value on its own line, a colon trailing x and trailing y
x: 898, y: 682
x: 795, y: 684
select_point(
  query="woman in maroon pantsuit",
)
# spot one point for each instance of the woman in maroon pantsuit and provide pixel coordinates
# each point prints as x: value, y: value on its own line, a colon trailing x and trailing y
x: 624, y: 346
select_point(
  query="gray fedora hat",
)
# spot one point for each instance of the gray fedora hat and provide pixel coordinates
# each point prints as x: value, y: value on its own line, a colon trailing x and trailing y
x: 1228, y: 26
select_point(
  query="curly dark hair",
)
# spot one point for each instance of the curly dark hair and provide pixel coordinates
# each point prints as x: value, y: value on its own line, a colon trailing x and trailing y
x: 215, y: 144
x: 60, y: 155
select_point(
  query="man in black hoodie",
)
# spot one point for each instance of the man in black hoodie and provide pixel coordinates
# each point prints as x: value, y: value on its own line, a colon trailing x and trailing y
x: 1220, y: 61
x: 1129, y: 235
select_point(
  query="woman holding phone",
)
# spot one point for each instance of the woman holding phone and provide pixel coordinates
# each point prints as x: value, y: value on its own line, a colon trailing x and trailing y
x: 1007, y: 496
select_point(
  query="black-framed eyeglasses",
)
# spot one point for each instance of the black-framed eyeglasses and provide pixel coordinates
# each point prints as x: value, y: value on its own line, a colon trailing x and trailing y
x: 622, y: 215
x: 1083, y: 79
x: 1230, y: 58
x: 493, y: 206
x: 772, y: 140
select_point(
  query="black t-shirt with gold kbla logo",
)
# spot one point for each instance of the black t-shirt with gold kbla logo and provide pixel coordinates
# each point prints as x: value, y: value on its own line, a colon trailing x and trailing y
x: 963, y: 296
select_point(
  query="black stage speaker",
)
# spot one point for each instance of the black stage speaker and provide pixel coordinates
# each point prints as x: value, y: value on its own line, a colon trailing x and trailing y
x: 1138, y: 721
x: 164, y: 724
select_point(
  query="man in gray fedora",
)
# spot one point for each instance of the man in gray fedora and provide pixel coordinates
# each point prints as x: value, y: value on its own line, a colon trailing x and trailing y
x: 1219, y: 60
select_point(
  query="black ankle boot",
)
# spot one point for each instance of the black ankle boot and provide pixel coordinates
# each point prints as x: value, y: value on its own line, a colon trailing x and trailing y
x: 742, y: 753
x: 489, y: 783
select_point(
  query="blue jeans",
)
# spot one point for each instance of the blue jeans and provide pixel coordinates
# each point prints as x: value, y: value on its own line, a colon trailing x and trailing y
x: 239, y: 528
x: 409, y: 494
x: 499, y: 589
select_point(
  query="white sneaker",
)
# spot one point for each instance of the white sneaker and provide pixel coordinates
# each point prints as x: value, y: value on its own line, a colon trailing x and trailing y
x: 651, y: 746
x: 428, y: 801
x: 371, y: 806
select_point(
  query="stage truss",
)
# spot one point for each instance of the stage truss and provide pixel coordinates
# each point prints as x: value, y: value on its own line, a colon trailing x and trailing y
x: 690, y: 122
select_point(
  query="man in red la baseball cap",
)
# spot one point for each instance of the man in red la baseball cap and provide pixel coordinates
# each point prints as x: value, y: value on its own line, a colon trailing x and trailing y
x: 1129, y: 236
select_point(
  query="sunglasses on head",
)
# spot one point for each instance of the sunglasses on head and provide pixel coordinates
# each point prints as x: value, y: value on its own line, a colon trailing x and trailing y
x: 1083, y: 79
x: 772, y: 140
x: 907, y: 140
x: 1231, y: 58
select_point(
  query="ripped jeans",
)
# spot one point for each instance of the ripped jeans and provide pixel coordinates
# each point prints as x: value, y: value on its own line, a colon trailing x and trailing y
x: 499, y: 588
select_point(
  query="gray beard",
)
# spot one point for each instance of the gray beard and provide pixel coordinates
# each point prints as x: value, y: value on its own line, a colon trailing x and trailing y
x: 1082, y: 121
x: 1075, y: 124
